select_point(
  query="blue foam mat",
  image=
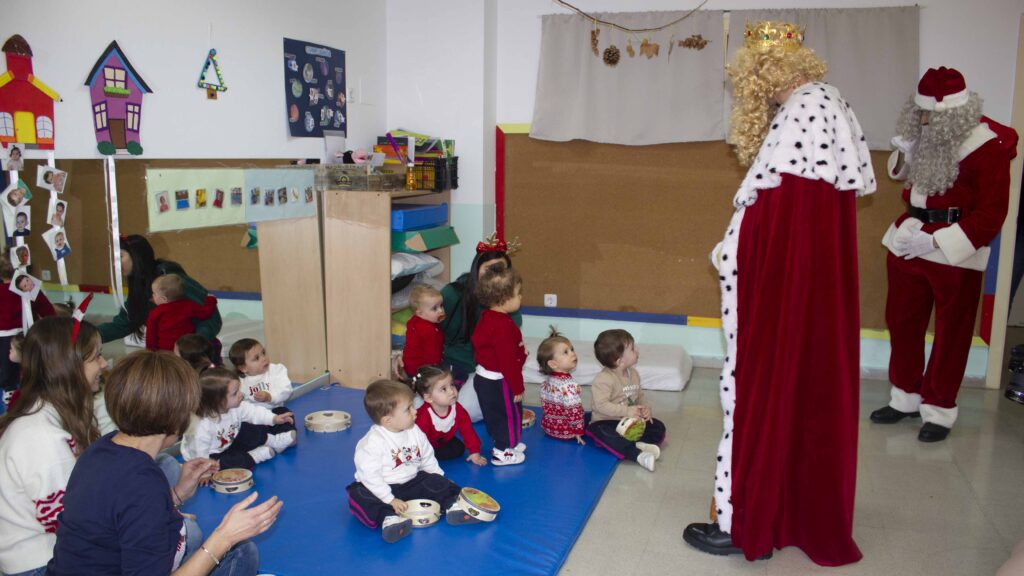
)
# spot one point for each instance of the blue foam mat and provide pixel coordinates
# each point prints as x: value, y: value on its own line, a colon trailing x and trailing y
x: 545, y: 503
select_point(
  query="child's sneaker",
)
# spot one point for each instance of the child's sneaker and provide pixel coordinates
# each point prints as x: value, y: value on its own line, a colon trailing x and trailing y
x: 280, y: 442
x: 519, y: 447
x: 456, y: 516
x: 395, y: 528
x: 652, y: 448
x: 646, y: 459
x: 262, y: 453
x: 506, y: 457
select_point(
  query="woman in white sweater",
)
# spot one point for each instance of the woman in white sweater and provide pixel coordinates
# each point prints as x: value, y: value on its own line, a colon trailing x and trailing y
x: 42, y: 435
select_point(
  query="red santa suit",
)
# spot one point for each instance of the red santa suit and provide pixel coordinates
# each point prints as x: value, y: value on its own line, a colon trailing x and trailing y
x: 787, y: 460
x: 948, y: 278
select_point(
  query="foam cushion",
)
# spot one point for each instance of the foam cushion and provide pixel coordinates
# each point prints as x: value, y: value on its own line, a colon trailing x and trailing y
x: 661, y: 366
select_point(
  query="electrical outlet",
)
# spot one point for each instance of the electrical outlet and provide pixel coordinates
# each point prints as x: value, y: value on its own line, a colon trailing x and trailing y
x: 46, y: 275
x: 550, y: 300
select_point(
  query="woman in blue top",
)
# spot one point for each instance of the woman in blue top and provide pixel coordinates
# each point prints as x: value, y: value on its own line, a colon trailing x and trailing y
x: 121, y: 516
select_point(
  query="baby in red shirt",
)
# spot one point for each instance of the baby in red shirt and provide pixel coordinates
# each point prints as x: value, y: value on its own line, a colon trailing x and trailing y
x: 441, y: 416
x: 424, y: 341
x: 174, y: 315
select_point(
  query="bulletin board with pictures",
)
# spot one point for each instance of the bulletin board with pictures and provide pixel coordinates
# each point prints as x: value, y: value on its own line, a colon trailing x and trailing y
x: 314, y: 77
x: 180, y: 199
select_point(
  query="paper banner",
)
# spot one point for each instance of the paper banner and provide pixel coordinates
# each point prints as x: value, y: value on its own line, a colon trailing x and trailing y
x: 275, y: 194
x: 180, y: 199
x: 314, y: 88
x: 110, y: 181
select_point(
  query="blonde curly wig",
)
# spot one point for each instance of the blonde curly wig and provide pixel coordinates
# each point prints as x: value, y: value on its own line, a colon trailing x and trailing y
x: 757, y: 75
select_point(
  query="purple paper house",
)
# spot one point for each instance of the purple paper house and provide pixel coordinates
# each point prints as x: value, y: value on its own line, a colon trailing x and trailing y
x: 116, y: 90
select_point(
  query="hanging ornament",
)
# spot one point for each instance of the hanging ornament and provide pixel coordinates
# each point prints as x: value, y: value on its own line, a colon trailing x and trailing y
x: 212, y: 86
x: 695, y: 42
x: 629, y: 47
x: 594, y: 41
x: 649, y: 49
x: 611, y: 55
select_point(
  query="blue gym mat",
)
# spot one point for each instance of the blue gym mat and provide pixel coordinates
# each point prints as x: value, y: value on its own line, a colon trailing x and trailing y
x: 545, y: 503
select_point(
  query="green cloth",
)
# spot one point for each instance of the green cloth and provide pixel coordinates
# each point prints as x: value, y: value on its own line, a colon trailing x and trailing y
x: 458, y: 348
x: 119, y: 327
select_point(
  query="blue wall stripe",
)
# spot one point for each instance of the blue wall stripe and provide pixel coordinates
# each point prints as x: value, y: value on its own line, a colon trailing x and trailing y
x: 224, y: 295
x: 648, y: 317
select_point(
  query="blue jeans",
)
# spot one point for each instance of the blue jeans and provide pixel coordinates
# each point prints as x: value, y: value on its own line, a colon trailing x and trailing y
x: 41, y: 571
x: 242, y: 560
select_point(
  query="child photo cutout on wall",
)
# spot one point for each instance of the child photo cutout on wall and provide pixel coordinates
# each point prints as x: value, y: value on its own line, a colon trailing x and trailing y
x: 201, y: 198
x: 236, y: 196
x: 25, y: 285
x: 21, y: 256
x: 12, y: 202
x: 11, y: 157
x: 51, y: 178
x: 22, y: 220
x: 218, y: 198
x: 181, y: 199
x: 56, y: 212
x: 163, y: 203
x: 57, y: 241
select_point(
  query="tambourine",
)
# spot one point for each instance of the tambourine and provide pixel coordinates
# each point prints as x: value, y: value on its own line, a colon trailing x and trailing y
x: 478, y: 504
x: 422, y: 512
x: 529, y: 417
x: 328, y: 421
x: 631, y: 429
x: 232, y: 481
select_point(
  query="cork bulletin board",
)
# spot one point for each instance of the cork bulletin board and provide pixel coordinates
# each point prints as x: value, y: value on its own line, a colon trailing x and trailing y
x: 213, y: 256
x: 629, y: 228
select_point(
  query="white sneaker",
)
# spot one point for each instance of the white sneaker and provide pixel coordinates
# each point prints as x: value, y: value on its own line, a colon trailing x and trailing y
x: 652, y: 448
x: 7, y: 396
x: 646, y: 459
x: 506, y: 457
x: 281, y: 442
x: 519, y: 447
x: 395, y: 528
x: 262, y: 454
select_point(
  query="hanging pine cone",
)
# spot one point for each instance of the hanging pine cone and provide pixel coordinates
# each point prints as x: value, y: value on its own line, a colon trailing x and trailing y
x: 594, y: 40
x: 611, y: 55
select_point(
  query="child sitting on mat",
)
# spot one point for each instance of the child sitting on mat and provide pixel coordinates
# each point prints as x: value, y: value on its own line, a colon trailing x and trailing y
x: 617, y: 394
x: 500, y: 355
x: 560, y: 394
x: 395, y: 463
x: 197, y: 351
x: 221, y: 432
x: 264, y: 384
x: 174, y: 315
x: 441, y: 416
x: 424, y: 341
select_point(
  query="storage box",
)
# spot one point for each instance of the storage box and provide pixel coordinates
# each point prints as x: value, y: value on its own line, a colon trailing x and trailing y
x: 423, y: 240
x: 418, y: 216
x: 361, y: 177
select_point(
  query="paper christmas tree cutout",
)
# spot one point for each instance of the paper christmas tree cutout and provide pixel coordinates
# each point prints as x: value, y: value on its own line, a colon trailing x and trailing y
x: 212, y: 87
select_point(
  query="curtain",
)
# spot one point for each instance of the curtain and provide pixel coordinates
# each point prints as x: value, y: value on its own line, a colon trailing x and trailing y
x: 872, y: 57
x: 675, y: 95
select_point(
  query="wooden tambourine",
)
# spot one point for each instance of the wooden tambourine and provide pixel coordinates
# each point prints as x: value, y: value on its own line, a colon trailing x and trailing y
x: 232, y: 481
x: 478, y: 504
x: 422, y: 512
x: 529, y: 417
x: 328, y: 421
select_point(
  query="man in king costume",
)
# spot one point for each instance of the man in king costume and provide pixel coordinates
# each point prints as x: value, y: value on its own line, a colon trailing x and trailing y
x: 787, y: 460
x: 957, y: 166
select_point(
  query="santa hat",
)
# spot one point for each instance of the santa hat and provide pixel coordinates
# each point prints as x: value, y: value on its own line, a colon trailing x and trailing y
x: 941, y: 89
x: 79, y: 315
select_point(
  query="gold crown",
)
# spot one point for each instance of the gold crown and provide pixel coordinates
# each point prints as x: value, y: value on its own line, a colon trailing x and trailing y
x: 766, y: 35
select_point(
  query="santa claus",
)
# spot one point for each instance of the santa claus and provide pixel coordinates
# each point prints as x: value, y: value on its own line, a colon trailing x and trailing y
x: 957, y: 167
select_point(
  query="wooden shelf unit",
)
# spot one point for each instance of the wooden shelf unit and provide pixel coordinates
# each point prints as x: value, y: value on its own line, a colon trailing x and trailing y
x: 357, y: 280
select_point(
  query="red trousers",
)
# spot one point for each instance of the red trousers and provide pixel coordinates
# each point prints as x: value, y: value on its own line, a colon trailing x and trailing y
x: 915, y: 287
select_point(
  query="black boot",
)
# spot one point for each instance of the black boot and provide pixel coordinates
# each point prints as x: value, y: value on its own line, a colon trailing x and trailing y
x: 890, y: 415
x: 710, y: 539
x: 932, y: 432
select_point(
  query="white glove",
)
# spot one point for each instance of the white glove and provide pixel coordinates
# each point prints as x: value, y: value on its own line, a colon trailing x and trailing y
x: 906, y: 147
x: 910, y: 242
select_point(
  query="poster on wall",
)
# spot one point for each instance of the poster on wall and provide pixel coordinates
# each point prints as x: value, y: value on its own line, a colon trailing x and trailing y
x: 275, y: 194
x: 314, y: 88
x: 186, y: 198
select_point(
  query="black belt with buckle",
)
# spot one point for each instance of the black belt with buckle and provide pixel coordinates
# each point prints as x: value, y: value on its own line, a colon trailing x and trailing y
x: 945, y: 216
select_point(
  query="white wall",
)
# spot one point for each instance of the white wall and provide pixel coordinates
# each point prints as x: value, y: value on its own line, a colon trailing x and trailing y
x: 441, y: 75
x: 167, y: 43
x: 977, y: 37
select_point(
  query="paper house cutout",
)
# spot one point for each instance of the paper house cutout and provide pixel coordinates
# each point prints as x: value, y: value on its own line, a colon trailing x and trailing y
x: 26, y: 103
x: 211, y: 87
x: 116, y: 90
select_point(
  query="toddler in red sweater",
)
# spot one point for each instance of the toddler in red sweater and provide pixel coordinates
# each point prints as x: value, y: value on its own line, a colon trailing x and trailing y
x: 174, y: 315
x: 500, y: 355
x: 424, y: 341
x: 441, y: 416
x: 560, y: 394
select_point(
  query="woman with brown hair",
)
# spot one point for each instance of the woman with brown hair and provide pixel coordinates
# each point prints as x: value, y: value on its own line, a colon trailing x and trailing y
x: 42, y: 435
x: 121, y: 515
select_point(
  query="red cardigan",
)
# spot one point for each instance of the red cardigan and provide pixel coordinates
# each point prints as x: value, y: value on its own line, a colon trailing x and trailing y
x: 498, y: 346
x: 424, y: 344
x: 10, y: 308
x: 168, y: 322
x: 463, y: 425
